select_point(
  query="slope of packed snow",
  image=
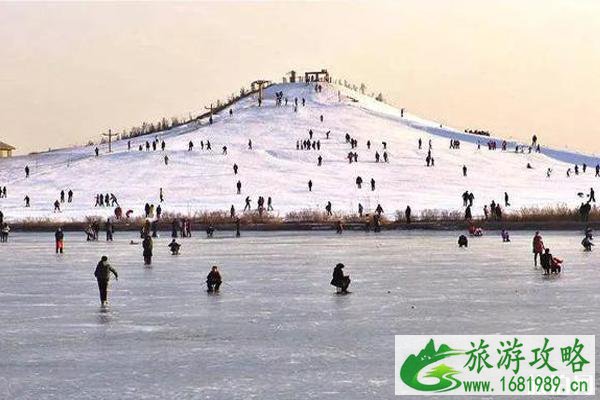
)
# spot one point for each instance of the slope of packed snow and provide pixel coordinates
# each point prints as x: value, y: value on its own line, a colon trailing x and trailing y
x: 204, y: 180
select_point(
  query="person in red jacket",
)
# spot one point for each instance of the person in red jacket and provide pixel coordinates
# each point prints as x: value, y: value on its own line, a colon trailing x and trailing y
x: 538, y: 247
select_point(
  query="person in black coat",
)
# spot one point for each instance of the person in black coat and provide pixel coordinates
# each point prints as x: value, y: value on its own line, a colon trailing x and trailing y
x: 340, y: 280
x: 102, y: 274
x: 59, y: 237
x: 174, y: 246
x: 213, y: 280
x: 147, y: 246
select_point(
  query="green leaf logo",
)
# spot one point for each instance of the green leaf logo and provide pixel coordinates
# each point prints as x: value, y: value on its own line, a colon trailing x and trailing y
x: 409, y: 372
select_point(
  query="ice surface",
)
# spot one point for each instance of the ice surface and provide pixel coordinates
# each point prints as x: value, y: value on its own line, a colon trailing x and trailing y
x: 277, y: 330
x: 204, y: 180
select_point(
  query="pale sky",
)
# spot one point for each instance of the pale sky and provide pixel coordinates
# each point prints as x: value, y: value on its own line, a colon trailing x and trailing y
x: 70, y: 71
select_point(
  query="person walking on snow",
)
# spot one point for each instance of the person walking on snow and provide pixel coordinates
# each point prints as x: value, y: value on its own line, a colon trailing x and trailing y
x: 328, y: 209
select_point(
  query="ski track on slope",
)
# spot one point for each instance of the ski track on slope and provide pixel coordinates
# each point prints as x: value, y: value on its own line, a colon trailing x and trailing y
x: 204, y: 180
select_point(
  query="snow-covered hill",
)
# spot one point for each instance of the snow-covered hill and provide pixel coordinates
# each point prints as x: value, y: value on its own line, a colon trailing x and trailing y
x: 204, y: 180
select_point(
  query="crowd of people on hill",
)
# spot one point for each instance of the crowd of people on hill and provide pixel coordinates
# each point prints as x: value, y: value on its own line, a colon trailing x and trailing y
x: 311, y: 143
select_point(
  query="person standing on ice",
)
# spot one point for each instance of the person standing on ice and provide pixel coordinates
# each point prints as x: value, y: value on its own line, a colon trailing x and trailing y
x: 160, y: 195
x: 247, y: 206
x: 239, y: 187
x: 407, y: 214
x: 269, y: 204
x: 587, y: 243
x: 339, y: 228
x: 360, y: 210
x: 59, y: 237
x: 372, y: 184
x: 97, y: 151
x: 224, y: 150
x: 471, y: 198
x: 109, y: 230
x: 56, y: 206
x: 597, y: 170
x: 70, y: 196
x: 147, y: 246
x: 166, y: 160
x: 62, y: 196
x: 506, y: 202
x: 420, y: 143
x: 26, y: 201
x: 249, y: 144
x: 464, y: 169
x: 379, y: 209
x: 592, y: 196
x: 237, y: 227
x: 376, y: 156
x: 102, y: 274
x: 27, y: 171
x: 538, y: 247
x: 385, y: 156
x: 158, y: 211
x: 190, y: 146
x: 319, y: 161
x: 310, y: 185
x: 235, y: 169
x: 232, y: 211
x: 485, y: 211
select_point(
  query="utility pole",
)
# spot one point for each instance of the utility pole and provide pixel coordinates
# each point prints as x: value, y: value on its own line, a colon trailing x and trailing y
x: 110, y: 135
x: 210, y: 118
x: 209, y: 108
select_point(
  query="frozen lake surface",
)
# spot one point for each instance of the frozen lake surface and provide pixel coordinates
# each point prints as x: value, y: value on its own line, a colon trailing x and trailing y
x: 277, y: 330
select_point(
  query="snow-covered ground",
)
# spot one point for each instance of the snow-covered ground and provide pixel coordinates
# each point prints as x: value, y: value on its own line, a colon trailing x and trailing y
x: 277, y: 330
x: 204, y: 180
